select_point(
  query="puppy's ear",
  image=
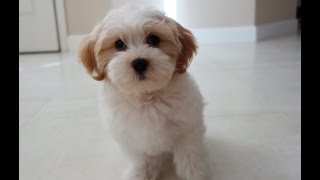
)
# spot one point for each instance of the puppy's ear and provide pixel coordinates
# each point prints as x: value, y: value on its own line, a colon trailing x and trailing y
x: 189, y: 48
x: 87, y: 53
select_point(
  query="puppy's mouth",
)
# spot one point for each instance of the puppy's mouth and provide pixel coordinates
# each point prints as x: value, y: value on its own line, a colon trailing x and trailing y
x: 141, y: 77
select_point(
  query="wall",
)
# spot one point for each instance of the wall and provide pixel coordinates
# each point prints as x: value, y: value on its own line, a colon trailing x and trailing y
x: 155, y: 3
x: 268, y: 11
x: 82, y: 15
x: 231, y: 19
x: 215, y: 13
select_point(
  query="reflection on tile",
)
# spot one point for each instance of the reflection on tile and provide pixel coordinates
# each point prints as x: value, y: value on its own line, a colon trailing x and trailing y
x: 253, y: 95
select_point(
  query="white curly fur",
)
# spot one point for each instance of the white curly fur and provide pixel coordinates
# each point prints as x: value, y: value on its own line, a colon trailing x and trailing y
x: 158, y: 119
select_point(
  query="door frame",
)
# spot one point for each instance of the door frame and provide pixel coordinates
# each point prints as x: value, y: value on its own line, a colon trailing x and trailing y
x: 61, y: 28
x: 60, y: 14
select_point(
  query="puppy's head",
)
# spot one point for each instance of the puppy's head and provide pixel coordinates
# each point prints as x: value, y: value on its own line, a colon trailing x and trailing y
x: 137, y: 50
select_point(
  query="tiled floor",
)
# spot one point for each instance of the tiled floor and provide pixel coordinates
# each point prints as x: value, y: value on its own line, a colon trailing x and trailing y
x: 253, y: 95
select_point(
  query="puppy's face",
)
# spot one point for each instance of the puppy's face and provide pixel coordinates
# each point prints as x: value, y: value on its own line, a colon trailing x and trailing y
x: 137, y: 50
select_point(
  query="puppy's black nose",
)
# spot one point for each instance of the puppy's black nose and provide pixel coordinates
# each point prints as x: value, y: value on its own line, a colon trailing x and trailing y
x: 140, y: 65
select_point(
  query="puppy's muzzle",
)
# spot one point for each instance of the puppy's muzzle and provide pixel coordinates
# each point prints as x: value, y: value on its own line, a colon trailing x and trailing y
x: 140, y: 65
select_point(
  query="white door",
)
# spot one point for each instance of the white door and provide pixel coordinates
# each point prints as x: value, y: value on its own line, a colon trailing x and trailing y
x: 37, y: 26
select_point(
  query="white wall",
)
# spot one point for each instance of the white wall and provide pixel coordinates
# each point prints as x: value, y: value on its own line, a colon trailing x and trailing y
x: 238, y: 20
x: 155, y: 3
x: 83, y: 14
x: 269, y: 11
x: 215, y: 13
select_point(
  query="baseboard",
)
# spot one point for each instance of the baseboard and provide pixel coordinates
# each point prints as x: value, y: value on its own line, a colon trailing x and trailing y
x: 267, y: 31
x: 225, y: 35
x: 228, y: 34
x: 245, y: 33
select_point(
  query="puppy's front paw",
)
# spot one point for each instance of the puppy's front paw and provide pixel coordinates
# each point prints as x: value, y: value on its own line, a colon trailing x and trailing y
x: 192, y: 171
x: 190, y: 161
x: 141, y: 173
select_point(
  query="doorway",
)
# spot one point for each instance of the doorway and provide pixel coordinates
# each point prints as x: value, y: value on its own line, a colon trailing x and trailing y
x: 38, y: 27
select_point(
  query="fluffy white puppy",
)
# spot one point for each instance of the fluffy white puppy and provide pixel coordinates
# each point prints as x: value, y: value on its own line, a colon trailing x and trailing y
x: 153, y: 106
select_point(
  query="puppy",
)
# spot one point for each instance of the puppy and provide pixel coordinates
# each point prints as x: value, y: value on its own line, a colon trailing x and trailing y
x: 152, y: 105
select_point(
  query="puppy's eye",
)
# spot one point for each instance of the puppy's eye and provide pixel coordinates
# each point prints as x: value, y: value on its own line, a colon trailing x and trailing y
x: 153, y: 40
x: 119, y: 44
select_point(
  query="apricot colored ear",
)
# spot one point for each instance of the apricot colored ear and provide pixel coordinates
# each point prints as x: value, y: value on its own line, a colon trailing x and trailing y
x: 87, y: 56
x: 189, y: 48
